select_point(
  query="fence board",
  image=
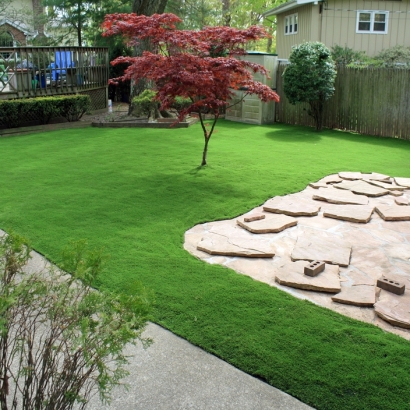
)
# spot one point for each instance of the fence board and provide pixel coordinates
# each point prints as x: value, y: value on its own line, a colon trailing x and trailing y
x: 374, y: 101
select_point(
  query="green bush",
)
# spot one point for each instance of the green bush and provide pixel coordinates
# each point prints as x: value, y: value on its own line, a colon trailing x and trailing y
x: 346, y: 55
x: 395, y: 56
x: 144, y: 104
x: 310, y: 77
x: 181, y: 103
x: 73, y: 107
x: 13, y: 113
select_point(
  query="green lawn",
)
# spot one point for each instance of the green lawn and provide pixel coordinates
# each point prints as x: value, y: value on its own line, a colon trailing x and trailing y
x: 136, y: 191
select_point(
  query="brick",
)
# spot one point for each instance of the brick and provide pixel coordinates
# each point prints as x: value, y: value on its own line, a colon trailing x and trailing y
x: 391, y: 285
x: 255, y: 217
x: 314, y: 268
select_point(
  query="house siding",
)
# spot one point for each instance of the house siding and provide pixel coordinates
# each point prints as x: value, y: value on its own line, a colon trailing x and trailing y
x: 334, y: 23
x: 308, y: 29
x: 339, y: 25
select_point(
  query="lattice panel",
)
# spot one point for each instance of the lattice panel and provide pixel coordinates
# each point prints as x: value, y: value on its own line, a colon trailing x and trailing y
x: 98, y: 98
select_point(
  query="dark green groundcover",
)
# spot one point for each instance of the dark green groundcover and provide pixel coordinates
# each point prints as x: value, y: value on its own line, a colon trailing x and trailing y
x: 135, y: 193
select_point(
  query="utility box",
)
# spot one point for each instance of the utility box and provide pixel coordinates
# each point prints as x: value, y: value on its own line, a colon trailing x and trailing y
x: 249, y: 108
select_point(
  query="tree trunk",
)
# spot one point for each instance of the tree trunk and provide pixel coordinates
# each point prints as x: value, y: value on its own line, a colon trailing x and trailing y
x: 146, y: 8
x: 205, y: 151
x: 226, y: 12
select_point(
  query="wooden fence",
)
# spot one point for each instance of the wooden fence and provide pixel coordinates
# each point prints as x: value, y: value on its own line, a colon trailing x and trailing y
x: 373, y: 101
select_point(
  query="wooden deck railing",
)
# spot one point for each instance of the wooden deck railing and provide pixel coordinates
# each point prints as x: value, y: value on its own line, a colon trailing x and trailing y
x: 39, y: 71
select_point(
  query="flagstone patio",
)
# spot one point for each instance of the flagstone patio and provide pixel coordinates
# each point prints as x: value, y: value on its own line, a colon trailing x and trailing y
x: 360, y: 236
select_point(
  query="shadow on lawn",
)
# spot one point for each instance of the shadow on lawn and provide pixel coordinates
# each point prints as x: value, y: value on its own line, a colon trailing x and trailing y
x: 293, y: 133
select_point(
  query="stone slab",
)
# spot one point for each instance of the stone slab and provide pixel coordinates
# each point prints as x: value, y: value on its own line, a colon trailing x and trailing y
x: 331, y: 179
x: 402, y: 181
x: 359, y: 295
x: 215, y: 244
x: 401, y: 201
x: 292, y: 274
x: 386, y: 185
x: 254, y: 217
x: 317, y: 185
x: 351, y: 176
x: 271, y: 224
x: 394, y: 212
x: 396, y: 193
x: 362, y: 188
x: 340, y: 196
x: 314, y: 246
x: 351, y: 213
x: 291, y: 206
x: 394, y: 311
x: 375, y: 176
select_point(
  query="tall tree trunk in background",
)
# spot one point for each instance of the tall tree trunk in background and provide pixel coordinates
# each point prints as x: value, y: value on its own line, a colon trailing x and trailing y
x: 226, y: 12
x: 146, y: 8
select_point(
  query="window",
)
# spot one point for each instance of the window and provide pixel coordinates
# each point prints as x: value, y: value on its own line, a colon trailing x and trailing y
x: 6, y: 39
x: 372, y: 21
x: 291, y: 24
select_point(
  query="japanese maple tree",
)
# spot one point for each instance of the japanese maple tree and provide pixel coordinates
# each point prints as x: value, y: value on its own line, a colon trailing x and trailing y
x: 202, y: 65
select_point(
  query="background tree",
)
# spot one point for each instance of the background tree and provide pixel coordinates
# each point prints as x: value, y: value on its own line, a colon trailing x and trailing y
x: 60, y: 340
x: 310, y: 77
x: 198, y: 65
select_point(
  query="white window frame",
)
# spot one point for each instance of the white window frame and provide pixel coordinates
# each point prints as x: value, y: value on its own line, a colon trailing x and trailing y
x: 372, y: 22
x: 291, y: 24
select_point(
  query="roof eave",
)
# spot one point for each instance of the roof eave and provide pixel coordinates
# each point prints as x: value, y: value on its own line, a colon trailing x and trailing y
x: 286, y: 7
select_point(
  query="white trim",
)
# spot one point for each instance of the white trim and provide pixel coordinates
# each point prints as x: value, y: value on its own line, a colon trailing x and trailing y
x: 290, y: 5
x: 291, y: 24
x: 372, y: 22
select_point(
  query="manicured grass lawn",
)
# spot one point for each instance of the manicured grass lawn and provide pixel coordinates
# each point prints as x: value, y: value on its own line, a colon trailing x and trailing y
x: 135, y: 192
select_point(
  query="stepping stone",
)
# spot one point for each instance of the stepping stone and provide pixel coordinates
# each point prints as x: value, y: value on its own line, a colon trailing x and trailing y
x: 402, y: 181
x: 254, y: 217
x: 340, y: 196
x: 401, y: 201
x: 292, y: 207
x: 318, y: 185
x: 215, y: 244
x: 395, y: 311
x: 291, y: 274
x: 350, y: 175
x: 316, y: 246
x: 374, y: 176
x: 351, y: 213
x: 394, y: 212
x: 330, y: 179
x: 359, y: 295
x: 396, y: 193
x: 388, y: 186
x: 362, y: 187
x: 271, y: 224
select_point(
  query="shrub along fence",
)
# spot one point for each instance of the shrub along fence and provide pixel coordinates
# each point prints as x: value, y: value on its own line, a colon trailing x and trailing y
x: 374, y: 101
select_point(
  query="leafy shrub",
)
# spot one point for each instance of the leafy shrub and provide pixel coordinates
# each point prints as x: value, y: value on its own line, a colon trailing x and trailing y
x: 181, y: 103
x: 395, y: 56
x: 73, y: 107
x: 61, y: 341
x: 346, y: 55
x: 13, y: 113
x: 310, y: 77
x: 145, y: 104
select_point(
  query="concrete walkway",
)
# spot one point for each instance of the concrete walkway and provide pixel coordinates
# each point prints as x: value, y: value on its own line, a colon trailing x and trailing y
x: 172, y: 374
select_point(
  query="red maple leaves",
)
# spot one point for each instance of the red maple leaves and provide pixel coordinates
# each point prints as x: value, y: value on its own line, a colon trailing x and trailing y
x: 201, y: 65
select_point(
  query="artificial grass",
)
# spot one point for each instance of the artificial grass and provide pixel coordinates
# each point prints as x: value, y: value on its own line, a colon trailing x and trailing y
x: 136, y: 191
